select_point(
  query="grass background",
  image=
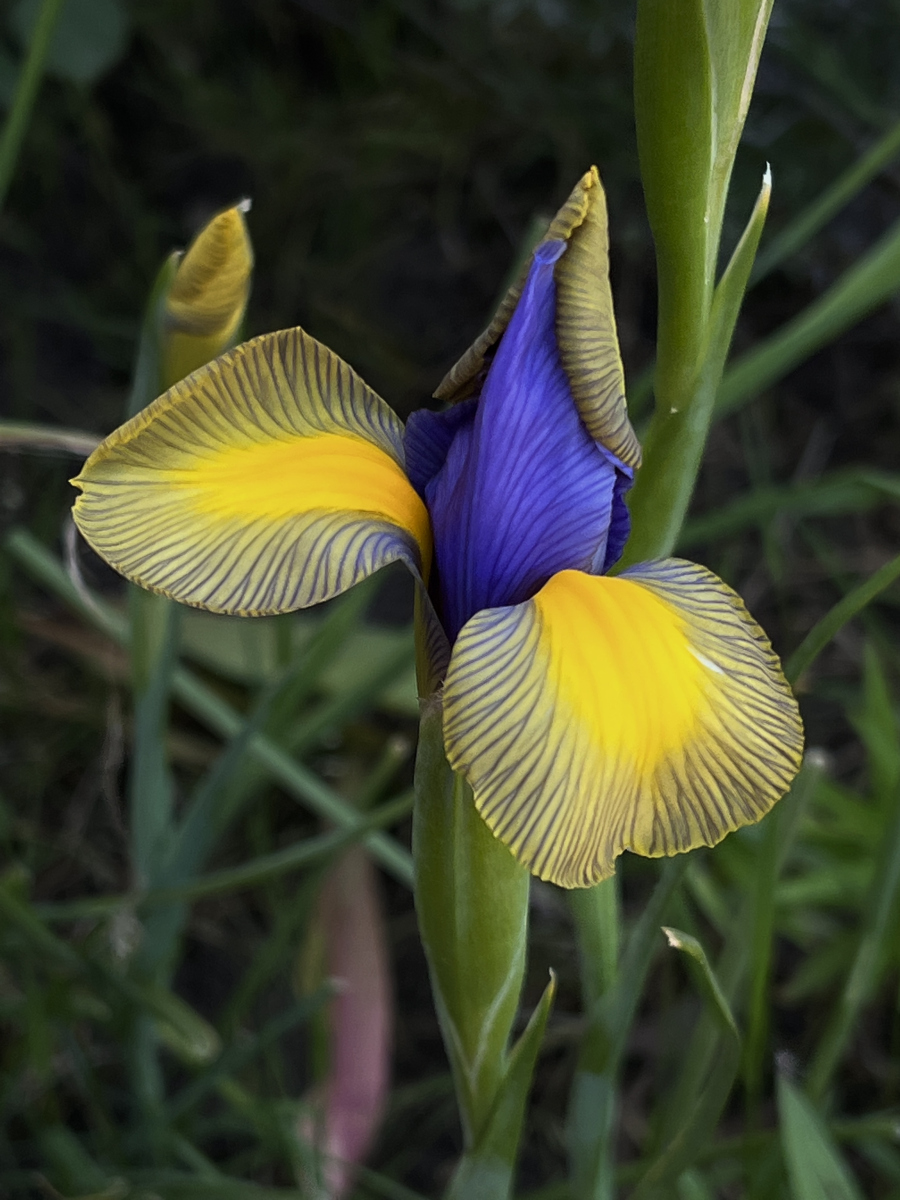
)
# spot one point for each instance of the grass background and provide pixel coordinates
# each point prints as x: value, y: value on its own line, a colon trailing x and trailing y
x: 397, y: 153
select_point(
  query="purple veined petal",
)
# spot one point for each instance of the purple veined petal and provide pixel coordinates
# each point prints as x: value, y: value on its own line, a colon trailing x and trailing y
x: 428, y: 437
x: 620, y: 521
x: 524, y: 491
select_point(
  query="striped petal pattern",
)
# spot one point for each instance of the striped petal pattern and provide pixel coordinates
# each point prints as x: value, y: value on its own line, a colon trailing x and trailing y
x: 269, y: 480
x: 644, y: 712
x: 585, y: 325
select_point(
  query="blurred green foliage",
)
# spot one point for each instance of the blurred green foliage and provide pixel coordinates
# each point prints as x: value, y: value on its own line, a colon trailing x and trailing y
x: 397, y: 153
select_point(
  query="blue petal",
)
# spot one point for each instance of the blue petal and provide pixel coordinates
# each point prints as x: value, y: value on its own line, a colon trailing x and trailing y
x: 428, y: 438
x: 620, y: 523
x: 524, y: 491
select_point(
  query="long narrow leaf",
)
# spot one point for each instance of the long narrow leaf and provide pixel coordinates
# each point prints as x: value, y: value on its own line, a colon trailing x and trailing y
x: 866, y: 285
x: 815, y: 1167
x: 836, y: 196
x: 834, y: 620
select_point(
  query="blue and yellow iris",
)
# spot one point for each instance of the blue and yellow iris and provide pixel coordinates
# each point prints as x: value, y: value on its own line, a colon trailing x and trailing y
x: 590, y: 714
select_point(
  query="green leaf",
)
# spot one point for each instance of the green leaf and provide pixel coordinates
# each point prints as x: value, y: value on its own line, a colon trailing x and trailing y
x: 249, y: 652
x: 677, y: 437
x: 855, y: 489
x: 836, y: 618
x: 706, y: 1082
x: 778, y: 832
x: 21, y: 86
x: 90, y: 38
x: 709, y: 985
x: 207, y: 705
x: 590, y: 1124
x: 828, y: 204
x: 146, y: 375
x: 486, y: 1171
x: 868, y: 283
x: 815, y: 1168
x: 877, y: 936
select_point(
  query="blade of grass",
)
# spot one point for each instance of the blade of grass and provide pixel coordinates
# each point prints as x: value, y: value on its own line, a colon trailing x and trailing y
x: 248, y: 874
x: 853, y: 490
x: 778, y: 831
x: 19, y: 435
x: 204, y: 704
x: 26, y: 91
x: 237, y: 1056
x: 152, y: 640
x: 867, y: 284
x: 837, y: 617
x: 815, y: 1168
x: 836, y: 196
x: 878, y: 936
x: 701, y: 1094
x: 596, y: 914
x: 594, y: 1097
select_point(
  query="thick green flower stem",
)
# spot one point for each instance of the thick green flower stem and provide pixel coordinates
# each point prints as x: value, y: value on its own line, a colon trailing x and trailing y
x: 694, y: 67
x: 472, y: 906
x: 677, y: 438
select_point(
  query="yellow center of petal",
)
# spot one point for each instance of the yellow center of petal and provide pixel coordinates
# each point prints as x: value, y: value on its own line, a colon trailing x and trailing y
x: 622, y: 664
x: 275, y: 479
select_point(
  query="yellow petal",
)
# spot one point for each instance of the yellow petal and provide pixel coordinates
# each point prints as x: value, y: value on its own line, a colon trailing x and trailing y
x: 269, y: 480
x: 585, y: 324
x: 645, y: 712
x: 206, y: 302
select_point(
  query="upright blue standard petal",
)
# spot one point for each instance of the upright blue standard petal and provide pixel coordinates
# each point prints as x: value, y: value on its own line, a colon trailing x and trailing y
x: 524, y: 491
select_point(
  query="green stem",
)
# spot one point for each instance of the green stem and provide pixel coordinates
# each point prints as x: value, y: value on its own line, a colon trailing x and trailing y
x: 594, y: 1097
x: 596, y: 913
x: 19, y: 435
x: 472, y: 909
x: 26, y: 92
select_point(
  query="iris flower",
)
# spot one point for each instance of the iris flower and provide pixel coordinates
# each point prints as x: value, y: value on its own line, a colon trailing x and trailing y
x: 590, y: 713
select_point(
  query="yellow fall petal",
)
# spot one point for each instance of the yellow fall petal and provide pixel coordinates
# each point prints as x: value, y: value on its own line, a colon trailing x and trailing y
x: 208, y: 296
x: 645, y: 712
x: 585, y: 324
x: 269, y: 480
